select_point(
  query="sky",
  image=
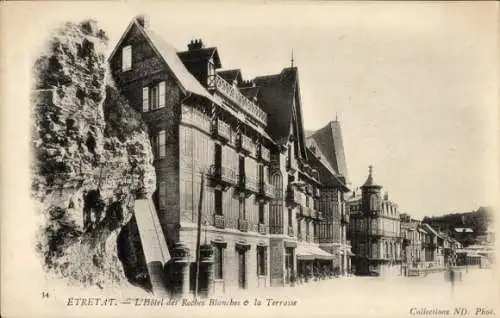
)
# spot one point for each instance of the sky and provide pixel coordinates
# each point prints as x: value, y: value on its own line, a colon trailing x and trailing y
x: 414, y: 85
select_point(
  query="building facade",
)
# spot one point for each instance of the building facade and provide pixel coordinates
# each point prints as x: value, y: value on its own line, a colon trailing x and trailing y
x: 375, y: 231
x: 231, y: 159
x: 327, y: 149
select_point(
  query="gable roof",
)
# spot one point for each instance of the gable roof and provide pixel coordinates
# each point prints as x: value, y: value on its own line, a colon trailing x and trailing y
x: 278, y: 94
x: 168, y: 54
x: 429, y: 229
x: 231, y: 75
x: 329, y: 140
x: 327, y: 174
x: 201, y: 53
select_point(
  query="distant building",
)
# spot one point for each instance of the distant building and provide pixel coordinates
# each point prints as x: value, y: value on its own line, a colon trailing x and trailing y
x: 375, y: 231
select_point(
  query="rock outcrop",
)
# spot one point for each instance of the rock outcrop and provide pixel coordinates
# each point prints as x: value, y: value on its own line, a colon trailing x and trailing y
x: 91, y: 159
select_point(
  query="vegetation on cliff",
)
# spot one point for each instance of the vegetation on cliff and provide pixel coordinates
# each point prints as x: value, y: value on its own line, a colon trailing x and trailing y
x: 91, y: 159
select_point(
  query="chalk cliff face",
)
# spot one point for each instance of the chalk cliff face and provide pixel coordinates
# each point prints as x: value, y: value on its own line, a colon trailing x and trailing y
x: 91, y: 159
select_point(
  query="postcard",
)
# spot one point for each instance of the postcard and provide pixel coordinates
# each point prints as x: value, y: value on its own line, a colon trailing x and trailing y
x: 271, y: 159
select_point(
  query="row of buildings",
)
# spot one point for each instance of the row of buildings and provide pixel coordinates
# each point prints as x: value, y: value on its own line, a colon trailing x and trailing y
x: 388, y: 242
x: 232, y: 158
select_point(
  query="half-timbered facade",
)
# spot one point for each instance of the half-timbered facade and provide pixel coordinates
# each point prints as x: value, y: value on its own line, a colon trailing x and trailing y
x: 233, y: 152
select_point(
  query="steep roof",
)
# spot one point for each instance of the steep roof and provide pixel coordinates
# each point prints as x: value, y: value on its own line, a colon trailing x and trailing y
x: 369, y: 181
x: 168, y: 54
x: 329, y: 140
x: 279, y: 96
x: 231, y: 75
x: 250, y: 92
x: 327, y: 174
x: 201, y: 53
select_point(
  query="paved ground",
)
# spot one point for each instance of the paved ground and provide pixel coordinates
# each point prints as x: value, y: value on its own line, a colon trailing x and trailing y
x: 387, y: 297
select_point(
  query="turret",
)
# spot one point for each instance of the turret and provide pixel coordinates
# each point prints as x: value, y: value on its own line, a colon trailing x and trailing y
x: 370, y: 192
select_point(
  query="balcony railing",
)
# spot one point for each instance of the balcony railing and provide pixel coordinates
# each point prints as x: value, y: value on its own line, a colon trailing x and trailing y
x: 243, y: 225
x: 267, y: 191
x: 376, y: 232
x: 292, y: 197
x: 221, y: 130
x: 262, y: 228
x: 290, y: 231
x: 219, y: 221
x: 246, y: 144
x: 247, y: 185
x: 264, y: 153
x: 216, y: 82
x: 221, y: 175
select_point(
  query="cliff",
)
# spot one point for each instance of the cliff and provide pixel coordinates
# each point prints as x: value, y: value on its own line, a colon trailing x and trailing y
x: 91, y: 159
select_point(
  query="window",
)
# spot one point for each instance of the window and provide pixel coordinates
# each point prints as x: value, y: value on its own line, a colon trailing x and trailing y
x: 218, y: 262
x: 373, y: 202
x: 153, y: 97
x: 307, y: 230
x: 211, y: 68
x: 126, y: 58
x: 290, y: 217
x: 161, y: 151
x: 218, y: 202
x: 261, y: 260
x: 261, y: 213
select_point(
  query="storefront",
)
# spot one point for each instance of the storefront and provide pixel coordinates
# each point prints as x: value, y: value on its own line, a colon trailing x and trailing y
x: 313, y: 263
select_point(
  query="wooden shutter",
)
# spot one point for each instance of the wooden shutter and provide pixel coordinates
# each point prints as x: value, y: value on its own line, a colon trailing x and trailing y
x: 161, y: 144
x: 161, y: 101
x: 145, y: 99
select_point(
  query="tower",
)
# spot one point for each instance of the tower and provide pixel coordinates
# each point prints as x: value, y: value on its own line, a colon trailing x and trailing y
x: 370, y: 196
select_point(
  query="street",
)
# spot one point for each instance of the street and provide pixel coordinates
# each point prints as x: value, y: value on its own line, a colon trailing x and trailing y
x: 395, y: 296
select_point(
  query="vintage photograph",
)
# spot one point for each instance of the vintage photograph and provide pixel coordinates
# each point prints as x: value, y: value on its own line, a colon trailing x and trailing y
x: 324, y: 159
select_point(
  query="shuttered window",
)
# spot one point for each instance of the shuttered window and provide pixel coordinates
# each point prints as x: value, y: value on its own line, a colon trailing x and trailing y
x: 161, y: 94
x: 145, y: 99
x: 126, y: 58
x: 161, y: 150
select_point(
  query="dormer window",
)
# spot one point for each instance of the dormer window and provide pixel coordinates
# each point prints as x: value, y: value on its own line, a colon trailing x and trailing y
x: 127, y: 58
x: 211, y: 68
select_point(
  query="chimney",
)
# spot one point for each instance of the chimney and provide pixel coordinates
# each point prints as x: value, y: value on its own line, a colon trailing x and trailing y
x: 143, y: 20
x: 195, y: 45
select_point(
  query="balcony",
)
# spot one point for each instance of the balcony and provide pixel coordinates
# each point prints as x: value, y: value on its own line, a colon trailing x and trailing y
x: 266, y: 191
x: 245, y: 144
x: 243, y: 225
x: 247, y: 185
x: 290, y: 231
x: 221, y: 130
x: 215, y: 82
x: 292, y: 197
x: 262, y: 229
x: 264, y: 154
x: 376, y: 232
x: 222, y: 176
x: 219, y: 221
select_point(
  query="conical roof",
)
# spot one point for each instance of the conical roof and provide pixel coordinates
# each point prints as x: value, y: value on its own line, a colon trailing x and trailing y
x: 369, y: 181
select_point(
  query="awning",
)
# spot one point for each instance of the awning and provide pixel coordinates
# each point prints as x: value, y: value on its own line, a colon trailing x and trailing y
x: 311, y: 252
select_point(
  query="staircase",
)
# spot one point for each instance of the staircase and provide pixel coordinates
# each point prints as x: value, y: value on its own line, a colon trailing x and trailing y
x: 153, y: 244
